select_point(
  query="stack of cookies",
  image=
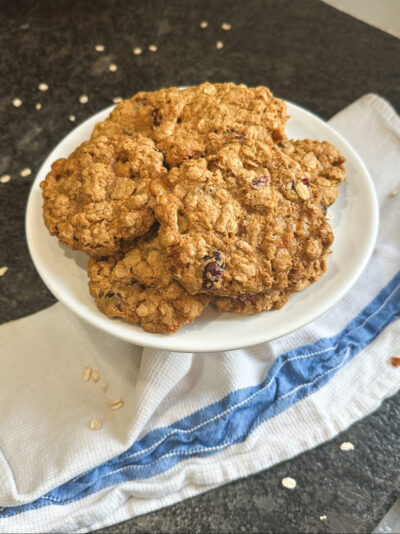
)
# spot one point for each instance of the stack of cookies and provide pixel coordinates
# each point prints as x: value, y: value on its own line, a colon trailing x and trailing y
x: 188, y: 197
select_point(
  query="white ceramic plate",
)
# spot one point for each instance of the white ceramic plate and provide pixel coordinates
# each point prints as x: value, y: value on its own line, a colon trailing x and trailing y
x: 355, y: 226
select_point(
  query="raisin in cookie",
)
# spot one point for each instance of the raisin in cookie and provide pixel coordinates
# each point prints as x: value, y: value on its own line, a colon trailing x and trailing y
x: 243, y: 221
x: 192, y: 122
x: 139, y: 288
x: 99, y: 197
x: 322, y: 163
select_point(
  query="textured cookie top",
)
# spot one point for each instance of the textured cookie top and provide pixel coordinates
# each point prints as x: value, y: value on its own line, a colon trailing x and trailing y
x: 322, y: 164
x: 240, y: 209
x: 242, y: 221
x: 99, y: 197
x: 196, y: 121
x: 274, y: 299
x: 139, y: 288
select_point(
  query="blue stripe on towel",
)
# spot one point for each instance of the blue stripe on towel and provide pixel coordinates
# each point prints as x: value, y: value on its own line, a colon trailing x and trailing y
x: 293, y: 376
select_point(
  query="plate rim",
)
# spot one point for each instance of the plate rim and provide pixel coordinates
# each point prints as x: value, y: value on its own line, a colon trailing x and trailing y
x: 168, y: 342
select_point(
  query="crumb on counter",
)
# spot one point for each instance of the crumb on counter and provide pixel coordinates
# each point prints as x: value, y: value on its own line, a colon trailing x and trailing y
x: 25, y: 172
x: 346, y: 446
x: 289, y: 483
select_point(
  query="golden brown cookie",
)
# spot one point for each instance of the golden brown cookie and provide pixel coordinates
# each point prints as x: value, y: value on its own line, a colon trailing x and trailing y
x: 192, y: 122
x: 243, y: 221
x: 240, y: 209
x: 139, y: 288
x: 322, y: 164
x: 99, y: 197
x: 250, y: 304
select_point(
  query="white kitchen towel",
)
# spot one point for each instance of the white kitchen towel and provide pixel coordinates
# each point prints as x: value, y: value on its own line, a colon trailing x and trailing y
x: 192, y: 422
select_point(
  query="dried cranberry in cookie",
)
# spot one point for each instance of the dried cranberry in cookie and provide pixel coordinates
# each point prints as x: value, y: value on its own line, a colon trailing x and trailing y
x: 213, y: 271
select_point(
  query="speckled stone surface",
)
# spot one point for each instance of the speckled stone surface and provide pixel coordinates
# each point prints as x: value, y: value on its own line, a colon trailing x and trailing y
x: 306, y: 52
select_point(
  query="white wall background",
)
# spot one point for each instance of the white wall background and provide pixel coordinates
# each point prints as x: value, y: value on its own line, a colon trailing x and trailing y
x: 385, y: 14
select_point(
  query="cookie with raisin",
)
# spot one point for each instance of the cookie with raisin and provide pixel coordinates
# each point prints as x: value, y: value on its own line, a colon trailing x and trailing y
x: 243, y: 221
x: 322, y: 164
x: 196, y: 121
x: 138, y: 287
x: 98, y: 198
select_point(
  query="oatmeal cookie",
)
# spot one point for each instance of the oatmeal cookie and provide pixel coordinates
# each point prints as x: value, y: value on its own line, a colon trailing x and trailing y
x: 250, y: 304
x: 192, y: 122
x: 139, y: 288
x: 243, y: 221
x: 322, y: 163
x: 99, y: 197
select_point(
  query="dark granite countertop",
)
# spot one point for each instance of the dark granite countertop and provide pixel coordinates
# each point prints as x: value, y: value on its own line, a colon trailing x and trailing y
x: 306, y: 52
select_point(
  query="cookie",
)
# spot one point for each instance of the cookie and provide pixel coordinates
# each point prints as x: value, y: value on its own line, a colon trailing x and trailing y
x: 98, y: 198
x: 185, y: 197
x: 193, y: 122
x: 243, y: 221
x: 322, y: 163
x: 139, y: 288
x: 250, y: 304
